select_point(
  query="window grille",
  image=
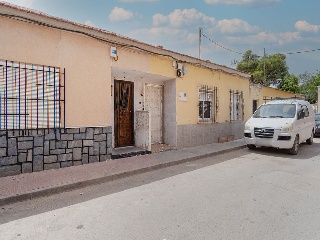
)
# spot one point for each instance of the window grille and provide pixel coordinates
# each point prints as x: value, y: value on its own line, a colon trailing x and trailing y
x: 208, y: 104
x: 31, y: 96
x: 236, y: 105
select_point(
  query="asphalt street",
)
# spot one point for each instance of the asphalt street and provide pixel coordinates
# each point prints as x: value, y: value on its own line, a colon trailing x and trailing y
x: 260, y: 194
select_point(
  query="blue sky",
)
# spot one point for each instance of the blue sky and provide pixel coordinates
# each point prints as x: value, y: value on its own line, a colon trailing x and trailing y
x: 279, y: 26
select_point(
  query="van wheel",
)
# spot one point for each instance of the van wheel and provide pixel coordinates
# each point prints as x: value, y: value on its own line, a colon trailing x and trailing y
x: 310, y: 140
x: 295, y: 148
x: 251, y: 146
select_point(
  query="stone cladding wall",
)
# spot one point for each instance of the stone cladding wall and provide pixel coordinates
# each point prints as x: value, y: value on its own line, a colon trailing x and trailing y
x: 26, y: 151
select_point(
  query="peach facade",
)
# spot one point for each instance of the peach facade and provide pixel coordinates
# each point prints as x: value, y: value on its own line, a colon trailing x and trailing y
x: 86, y: 61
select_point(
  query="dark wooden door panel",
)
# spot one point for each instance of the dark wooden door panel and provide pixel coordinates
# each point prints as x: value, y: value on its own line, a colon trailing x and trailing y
x: 123, y: 113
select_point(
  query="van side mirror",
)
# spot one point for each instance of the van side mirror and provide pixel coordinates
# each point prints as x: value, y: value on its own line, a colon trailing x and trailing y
x: 300, y: 115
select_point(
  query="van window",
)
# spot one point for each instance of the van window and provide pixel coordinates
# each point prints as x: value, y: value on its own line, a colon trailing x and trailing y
x: 276, y: 111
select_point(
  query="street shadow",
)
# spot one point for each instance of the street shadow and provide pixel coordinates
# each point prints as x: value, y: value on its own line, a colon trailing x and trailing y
x: 40, y: 205
x: 305, y: 151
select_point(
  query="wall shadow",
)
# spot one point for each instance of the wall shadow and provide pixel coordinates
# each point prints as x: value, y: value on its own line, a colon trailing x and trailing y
x: 305, y: 151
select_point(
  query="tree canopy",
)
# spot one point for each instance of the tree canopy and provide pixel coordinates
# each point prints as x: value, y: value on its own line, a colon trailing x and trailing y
x: 249, y: 62
x: 290, y: 83
x: 267, y: 70
x: 309, y: 86
x: 272, y: 70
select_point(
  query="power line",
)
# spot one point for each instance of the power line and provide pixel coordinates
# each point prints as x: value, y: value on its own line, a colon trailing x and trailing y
x: 230, y: 50
x: 218, y: 44
x: 306, y: 51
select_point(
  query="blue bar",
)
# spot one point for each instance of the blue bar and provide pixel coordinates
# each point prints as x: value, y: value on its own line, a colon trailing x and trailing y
x: 54, y: 98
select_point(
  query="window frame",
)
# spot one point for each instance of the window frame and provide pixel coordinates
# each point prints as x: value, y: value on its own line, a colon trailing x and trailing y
x: 207, y: 96
x: 32, y: 96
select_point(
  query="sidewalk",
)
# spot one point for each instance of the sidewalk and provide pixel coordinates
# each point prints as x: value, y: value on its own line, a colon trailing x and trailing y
x: 27, y: 186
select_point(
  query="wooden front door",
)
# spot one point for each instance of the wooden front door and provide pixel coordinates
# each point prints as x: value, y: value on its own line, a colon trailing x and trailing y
x: 123, y: 113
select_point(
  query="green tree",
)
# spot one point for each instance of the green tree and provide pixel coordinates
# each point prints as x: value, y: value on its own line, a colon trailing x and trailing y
x: 276, y: 69
x: 267, y: 70
x: 249, y: 62
x: 290, y: 83
x: 310, y: 86
x: 305, y: 77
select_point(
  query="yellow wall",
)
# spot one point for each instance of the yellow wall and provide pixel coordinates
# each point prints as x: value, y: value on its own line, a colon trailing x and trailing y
x: 187, y: 112
x: 227, y: 82
x: 131, y: 60
x: 273, y: 93
x: 162, y: 66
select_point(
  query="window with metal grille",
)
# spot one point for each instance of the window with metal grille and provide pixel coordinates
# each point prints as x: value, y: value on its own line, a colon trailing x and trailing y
x: 236, y: 105
x: 31, y: 96
x: 207, y: 104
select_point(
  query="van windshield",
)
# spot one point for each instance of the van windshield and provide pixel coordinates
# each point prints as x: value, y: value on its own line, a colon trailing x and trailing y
x: 276, y: 111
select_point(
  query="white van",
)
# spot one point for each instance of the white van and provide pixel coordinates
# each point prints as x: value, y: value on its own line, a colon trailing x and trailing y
x: 281, y: 124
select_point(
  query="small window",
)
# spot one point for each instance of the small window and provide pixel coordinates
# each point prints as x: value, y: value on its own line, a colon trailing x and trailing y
x: 205, y: 110
x: 207, y: 104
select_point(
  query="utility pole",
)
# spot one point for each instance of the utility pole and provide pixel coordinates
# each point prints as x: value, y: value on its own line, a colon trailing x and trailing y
x: 200, y: 33
x: 264, y: 65
x: 318, y: 102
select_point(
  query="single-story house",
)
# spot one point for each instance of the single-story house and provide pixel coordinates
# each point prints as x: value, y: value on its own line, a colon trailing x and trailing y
x: 71, y: 94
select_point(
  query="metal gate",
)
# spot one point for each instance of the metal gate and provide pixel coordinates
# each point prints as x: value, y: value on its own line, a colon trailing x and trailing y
x: 153, y: 104
x: 236, y: 105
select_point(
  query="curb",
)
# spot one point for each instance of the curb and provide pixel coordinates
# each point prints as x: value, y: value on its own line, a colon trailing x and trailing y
x: 85, y: 183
